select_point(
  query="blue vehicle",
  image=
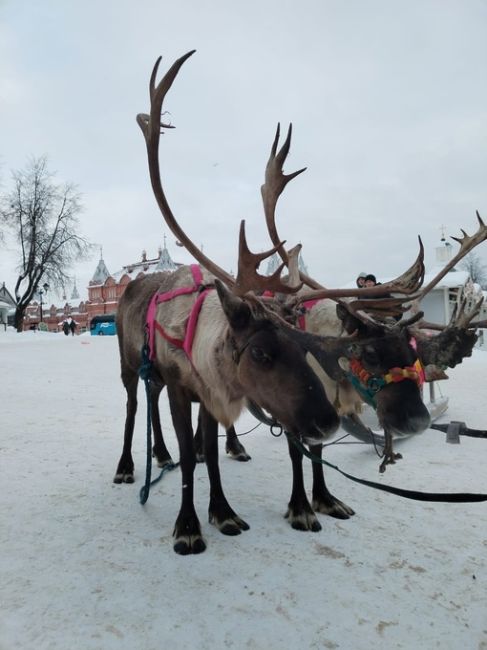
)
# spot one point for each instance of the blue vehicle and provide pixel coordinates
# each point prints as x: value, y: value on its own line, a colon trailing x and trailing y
x: 103, y: 325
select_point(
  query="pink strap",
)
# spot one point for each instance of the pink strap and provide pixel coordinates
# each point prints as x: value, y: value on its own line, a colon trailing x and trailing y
x: 192, y: 322
x: 308, y: 304
x: 157, y: 298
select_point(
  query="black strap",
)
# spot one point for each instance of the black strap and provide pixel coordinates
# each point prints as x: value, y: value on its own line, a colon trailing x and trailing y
x: 463, y: 430
x: 447, y: 497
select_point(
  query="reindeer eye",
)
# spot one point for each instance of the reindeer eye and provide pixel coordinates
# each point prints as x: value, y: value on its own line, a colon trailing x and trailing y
x: 370, y: 356
x: 260, y: 356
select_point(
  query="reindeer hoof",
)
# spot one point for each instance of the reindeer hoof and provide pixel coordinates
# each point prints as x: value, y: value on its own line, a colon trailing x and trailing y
x: 389, y: 459
x: 189, y: 546
x: 163, y: 462
x: 123, y: 477
x: 233, y: 525
x: 333, y: 507
x: 236, y: 451
x: 304, y: 521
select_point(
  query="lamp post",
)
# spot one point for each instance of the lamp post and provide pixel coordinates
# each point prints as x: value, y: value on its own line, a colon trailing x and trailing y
x: 45, y: 289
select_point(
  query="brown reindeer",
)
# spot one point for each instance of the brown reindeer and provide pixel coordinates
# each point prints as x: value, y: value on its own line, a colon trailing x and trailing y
x: 238, y: 350
x: 320, y: 315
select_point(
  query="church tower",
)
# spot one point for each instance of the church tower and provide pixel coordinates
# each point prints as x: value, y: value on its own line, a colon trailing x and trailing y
x: 165, y: 262
x: 101, y: 272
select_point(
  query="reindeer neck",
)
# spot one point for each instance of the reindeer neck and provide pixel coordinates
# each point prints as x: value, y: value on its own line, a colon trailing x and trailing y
x: 213, y: 359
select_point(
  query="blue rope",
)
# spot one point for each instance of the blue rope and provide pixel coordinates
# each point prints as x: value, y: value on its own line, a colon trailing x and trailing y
x: 367, y: 392
x: 145, y: 489
x: 144, y: 374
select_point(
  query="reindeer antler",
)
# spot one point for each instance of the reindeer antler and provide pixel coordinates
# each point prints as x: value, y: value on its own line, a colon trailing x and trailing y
x: 378, y: 299
x: 151, y: 128
x: 274, y: 184
x: 407, y: 283
x: 247, y: 278
x: 467, y: 244
x: 461, y: 318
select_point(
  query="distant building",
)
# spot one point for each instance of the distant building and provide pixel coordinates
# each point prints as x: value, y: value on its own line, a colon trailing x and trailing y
x: 104, y: 292
x: 438, y: 305
x: 7, y: 307
x: 106, y: 289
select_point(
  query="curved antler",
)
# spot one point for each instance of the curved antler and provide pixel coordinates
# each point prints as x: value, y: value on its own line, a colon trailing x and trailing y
x: 151, y: 128
x: 461, y: 318
x: 247, y: 278
x: 274, y: 184
x: 467, y: 244
x: 407, y: 283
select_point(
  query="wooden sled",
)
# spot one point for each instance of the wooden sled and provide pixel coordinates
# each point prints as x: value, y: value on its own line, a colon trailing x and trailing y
x: 367, y: 428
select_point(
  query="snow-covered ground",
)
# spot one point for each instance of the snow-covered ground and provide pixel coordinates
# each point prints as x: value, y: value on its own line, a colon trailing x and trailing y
x: 84, y: 566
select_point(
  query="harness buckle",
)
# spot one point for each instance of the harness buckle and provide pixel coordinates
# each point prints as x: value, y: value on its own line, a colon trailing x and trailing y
x: 374, y: 384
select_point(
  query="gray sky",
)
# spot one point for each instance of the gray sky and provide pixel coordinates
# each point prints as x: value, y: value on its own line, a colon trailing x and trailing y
x: 388, y: 102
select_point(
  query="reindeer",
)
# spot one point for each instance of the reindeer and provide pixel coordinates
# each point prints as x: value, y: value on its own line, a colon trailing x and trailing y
x: 319, y: 315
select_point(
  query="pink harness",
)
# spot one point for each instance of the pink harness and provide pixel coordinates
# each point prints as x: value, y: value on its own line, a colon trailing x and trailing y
x: 152, y: 325
x: 308, y: 304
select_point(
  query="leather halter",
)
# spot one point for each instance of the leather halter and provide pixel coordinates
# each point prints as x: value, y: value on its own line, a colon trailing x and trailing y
x: 366, y: 384
x: 152, y: 324
x: 369, y: 385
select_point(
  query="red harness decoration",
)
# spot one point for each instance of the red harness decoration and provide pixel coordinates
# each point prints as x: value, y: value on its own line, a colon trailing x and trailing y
x: 152, y: 325
x: 307, y: 305
x: 394, y: 375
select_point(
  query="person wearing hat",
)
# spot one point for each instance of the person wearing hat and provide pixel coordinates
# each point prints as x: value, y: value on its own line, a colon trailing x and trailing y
x: 361, y: 280
x: 370, y: 280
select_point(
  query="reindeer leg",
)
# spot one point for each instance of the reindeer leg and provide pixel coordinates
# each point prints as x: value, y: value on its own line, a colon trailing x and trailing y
x: 219, y: 511
x: 159, y: 450
x: 299, y: 512
x: 323, y: 501
x: 198, y: 442
x: 125, y: 468
x: 187, y: 529
x: 234, y: 447
x: 389, y: 456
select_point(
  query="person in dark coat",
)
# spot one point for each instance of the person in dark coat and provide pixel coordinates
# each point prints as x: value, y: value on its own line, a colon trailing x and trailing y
x: 370, y: 280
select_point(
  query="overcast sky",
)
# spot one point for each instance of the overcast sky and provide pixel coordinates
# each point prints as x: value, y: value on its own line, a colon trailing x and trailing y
x: 388, y: 102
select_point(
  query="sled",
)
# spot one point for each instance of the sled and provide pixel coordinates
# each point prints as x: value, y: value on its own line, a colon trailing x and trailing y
x: 367, y: 428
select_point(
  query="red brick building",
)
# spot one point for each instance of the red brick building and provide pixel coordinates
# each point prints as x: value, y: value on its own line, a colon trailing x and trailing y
x: 104, y: 292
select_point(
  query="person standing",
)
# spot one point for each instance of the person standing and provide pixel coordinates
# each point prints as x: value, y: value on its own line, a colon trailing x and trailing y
x: 360, y: 281
x: 72, y: 325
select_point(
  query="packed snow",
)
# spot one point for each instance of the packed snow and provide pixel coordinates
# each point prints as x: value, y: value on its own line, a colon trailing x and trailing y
x: 85, y: 567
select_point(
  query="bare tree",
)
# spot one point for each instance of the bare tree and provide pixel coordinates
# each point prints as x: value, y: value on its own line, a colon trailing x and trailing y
x: 43, y: 219
x: 476, y: 269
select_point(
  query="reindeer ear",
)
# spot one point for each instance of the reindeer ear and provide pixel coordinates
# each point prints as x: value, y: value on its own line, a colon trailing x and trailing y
x: 236, y: 310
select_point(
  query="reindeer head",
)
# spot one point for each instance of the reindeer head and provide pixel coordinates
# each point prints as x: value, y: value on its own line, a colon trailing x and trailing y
x: 384, y: 368
x: 272, y: 369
